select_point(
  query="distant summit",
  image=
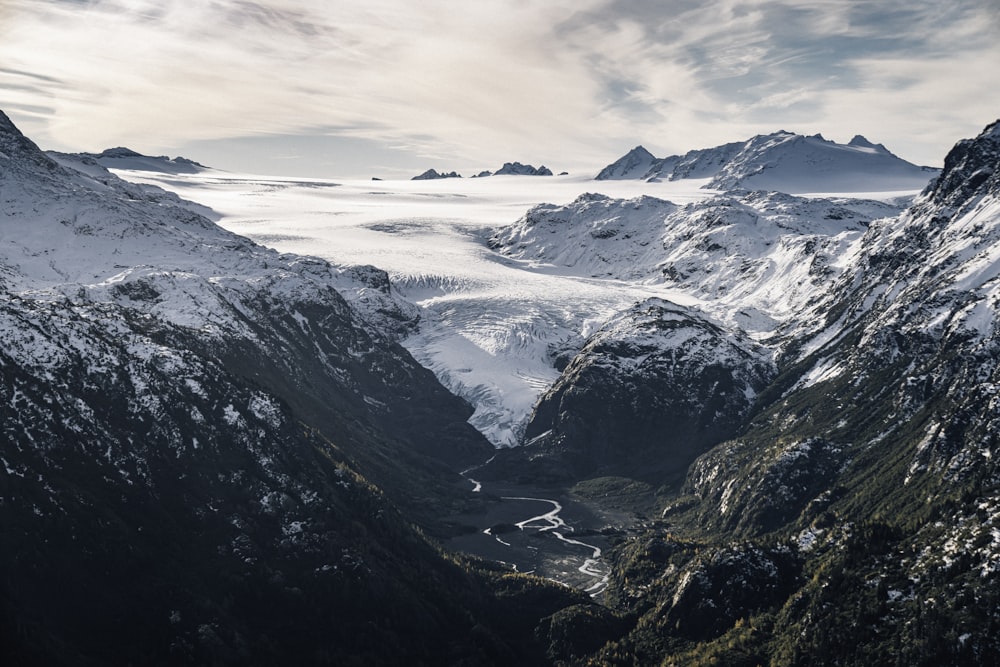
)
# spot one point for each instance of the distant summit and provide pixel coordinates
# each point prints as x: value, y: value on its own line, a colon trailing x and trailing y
x: 508, y: 169
x: 782, y: 161
x: 518, y: 169
x: 860, y: 142
x: 637, y: 163
x: 127, y: 159
x: 433, y: 174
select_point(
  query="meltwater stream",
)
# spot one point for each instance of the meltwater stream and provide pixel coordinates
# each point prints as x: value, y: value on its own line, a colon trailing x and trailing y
x: 592, y: 567
x: 538, y: 544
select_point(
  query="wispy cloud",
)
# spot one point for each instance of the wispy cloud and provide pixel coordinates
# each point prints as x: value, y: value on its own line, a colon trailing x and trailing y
x: 562, y: 81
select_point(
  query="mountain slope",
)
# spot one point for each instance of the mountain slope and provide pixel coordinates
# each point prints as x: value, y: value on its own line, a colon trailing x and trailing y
x: 186, y: 418
x: 865, y: 486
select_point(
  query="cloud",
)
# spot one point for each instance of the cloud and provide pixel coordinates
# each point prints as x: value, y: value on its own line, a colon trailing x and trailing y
x: 465, y: 85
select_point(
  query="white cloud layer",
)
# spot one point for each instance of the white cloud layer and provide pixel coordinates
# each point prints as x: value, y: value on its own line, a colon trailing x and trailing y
x: 571, y: 83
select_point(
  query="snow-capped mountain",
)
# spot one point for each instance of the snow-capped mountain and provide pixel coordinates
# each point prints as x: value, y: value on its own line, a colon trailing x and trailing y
x: 798, y: 393
x: 782, y: 161
x: 126, y: 159
x: 696, y: 164
x: 71, y: 236
x: 637, y: 163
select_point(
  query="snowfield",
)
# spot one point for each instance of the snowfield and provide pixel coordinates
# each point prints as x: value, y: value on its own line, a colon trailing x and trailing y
x: 491, y: 323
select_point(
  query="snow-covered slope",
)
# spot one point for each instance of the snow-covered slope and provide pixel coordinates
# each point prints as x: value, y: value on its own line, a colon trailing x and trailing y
x: 488, y: 328
x: 782, y: 161
x: 794, y: 163
x: 494, y: 326
x: 754, y: 259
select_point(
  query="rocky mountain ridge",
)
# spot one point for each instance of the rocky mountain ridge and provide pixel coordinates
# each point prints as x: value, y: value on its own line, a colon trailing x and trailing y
x: 433, y: 174
x: 508, y: 169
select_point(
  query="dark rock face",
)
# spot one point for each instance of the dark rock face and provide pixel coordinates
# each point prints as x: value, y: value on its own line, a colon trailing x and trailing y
x: 432, y: 174
x: 648, y: 393
x: 970, y: 170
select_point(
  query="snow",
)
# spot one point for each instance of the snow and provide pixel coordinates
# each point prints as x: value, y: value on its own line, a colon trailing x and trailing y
x: 823, y: 371
x: 807, y: 538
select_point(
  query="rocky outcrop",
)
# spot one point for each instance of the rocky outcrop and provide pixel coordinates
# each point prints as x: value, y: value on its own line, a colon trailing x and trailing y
x: 433, y: 174
x: 518, y: 169
x: 634, y: 164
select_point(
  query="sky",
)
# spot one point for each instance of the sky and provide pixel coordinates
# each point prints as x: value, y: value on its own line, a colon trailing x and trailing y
x: 389, y: 88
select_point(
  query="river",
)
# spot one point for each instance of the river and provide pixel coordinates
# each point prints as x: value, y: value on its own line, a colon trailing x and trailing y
x: 513, y: 530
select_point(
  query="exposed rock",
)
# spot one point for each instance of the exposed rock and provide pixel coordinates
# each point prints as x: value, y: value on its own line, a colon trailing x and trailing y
x: 518, y: 169
x: 432, y: 174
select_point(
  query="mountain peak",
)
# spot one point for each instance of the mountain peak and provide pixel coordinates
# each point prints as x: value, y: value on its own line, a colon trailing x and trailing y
x: 14, y: 145
x: 118, y: 152
x: 6, y: 126
x: 971, y: 169
x: 518, y: 169
x: 434, y: 174
x: 860, y: 141
x: 640, y: 150
x: 634, y: 164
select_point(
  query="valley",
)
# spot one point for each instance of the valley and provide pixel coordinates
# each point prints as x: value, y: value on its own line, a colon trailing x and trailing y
x: 507, y: 420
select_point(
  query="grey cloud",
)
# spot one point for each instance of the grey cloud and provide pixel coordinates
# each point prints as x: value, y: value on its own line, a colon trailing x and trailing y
x: 30, y: 75
x: 245, y: 13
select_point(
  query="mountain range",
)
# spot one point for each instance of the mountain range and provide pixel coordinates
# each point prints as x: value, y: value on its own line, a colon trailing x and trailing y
x: 218, y: 453
x: 782, y: 161
x: 508, y: 169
